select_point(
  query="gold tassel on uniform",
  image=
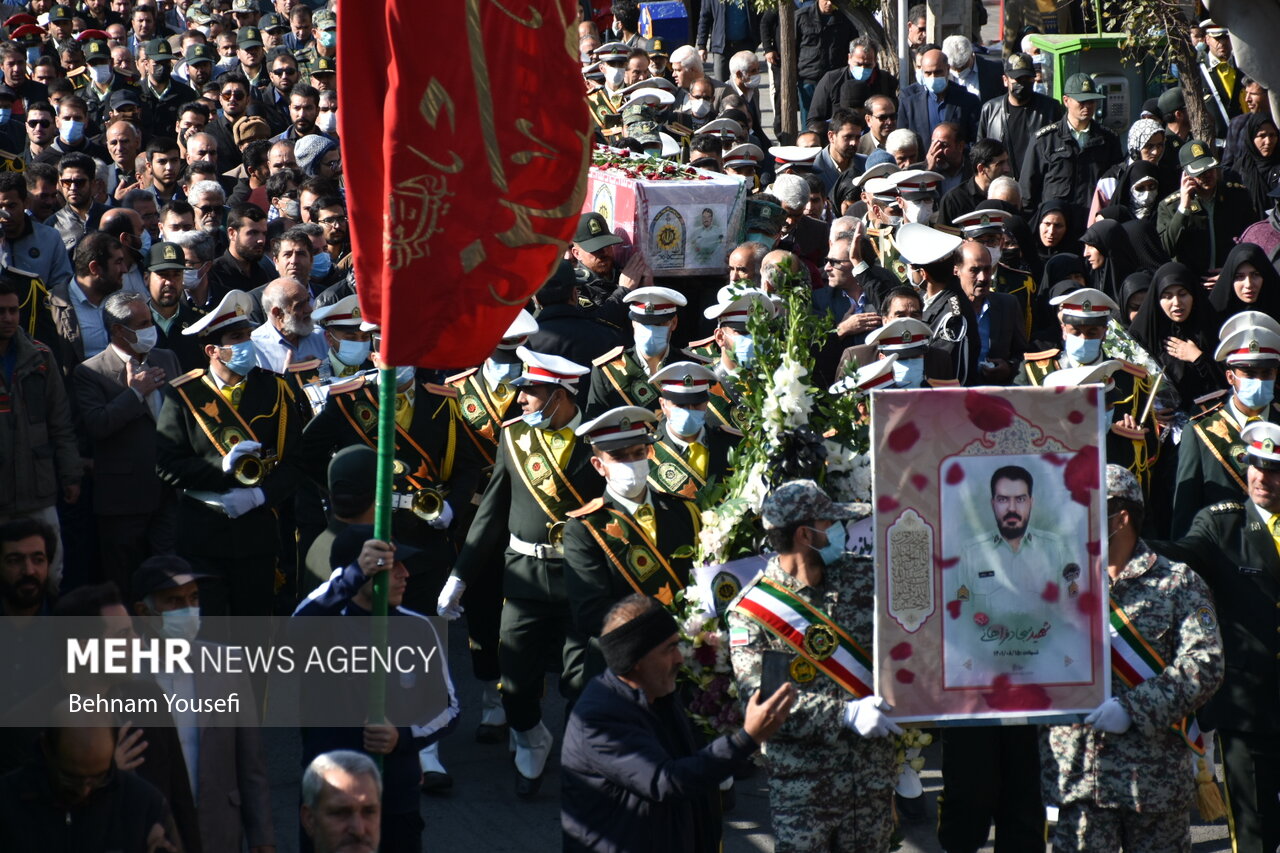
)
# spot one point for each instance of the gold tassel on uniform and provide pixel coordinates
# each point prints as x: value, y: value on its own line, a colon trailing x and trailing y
x: 1208, y: 798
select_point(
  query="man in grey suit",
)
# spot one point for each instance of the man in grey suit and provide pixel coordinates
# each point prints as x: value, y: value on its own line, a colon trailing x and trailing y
x: 1000, y: 324
x: 118, y: 396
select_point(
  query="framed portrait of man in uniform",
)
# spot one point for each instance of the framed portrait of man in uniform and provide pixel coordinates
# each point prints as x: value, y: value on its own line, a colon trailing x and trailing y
x: 989, y: 541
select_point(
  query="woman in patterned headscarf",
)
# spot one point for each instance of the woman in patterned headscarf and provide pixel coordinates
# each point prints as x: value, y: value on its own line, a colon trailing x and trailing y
x: 1145, y: 144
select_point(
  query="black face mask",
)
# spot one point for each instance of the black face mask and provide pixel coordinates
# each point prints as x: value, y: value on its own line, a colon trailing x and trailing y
x: 161, y: 73
x: 1020, y: 90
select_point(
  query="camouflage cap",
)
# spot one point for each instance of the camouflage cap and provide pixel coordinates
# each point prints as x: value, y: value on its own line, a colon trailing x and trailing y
x: 804, y: 500
x: 1122, y: 484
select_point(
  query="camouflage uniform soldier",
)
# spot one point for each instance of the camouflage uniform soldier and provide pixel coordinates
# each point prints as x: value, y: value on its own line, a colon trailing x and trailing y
x: 832, y: 765
x: 1125, y: 779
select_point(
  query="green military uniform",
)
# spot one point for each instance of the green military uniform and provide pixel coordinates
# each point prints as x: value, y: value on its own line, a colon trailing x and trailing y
x: 34, y: 317
x: 681, y: 469
x: 829, y: 789
x: 887, y: 250
x: 609, y: 555
x: 1230, y: 546
x: 527, y: 498
x: 1136, y: 789
x: 196, y: 428
x: 723, y: 406
x: 620, y: 378
x: 1211, y: 461
x: 431, y: 452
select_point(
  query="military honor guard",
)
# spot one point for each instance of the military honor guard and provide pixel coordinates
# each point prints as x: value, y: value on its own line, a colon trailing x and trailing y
x: 917, y: 191
x: 1083, y: 315
x: 1211, y: 457
x: 624, y: 541
x: 350, y: 343
x: 688, y: 452
x: 1234, y: 545
x: 622, y: 376
x: 542, y: 472
x: 229, y: 435
x: 917, y: 364
x: 737, y: 350
x: 1123, y: 779
x: 832, y: 765
x: 881, y: 197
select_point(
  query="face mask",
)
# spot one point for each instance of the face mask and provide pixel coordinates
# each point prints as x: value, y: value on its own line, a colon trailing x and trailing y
x: 1255, y: 393
x: 290, y: 209
x: 161, y: 72
x: 405, y: 375
x: 191, y: 279
x: 757, y: 237
x: 996, y: 253
x: 831, y: 552
x: 686, y: 422
x: 33, y: 55
x: 908, y: 373
x: 699, y: 107
x: 146, y: 243
x: 327, y: 122
x: 243, y: 356
x: 1020, y: 90
x: 755, y: 81
x: 101, y: 73
x: 320, y: 263
x: 935, y: 84
x: 353, y: 353
x: 180, y: 624
x: 895, y: 221
x: 917, y: 211
x: 744, y: 350
x: 71, y: 131
x: 539, y: 418
x: 651, y: 341
x: 1144, y: 198
x: 144, y: 340
x: 919, y: 77
x: 328, y: 38
x: 505, y: 370
x: 1083, y: 350
x: 206, y: 30
x: 613, y: 77
x: 860, y: 72
x: 627, y: 478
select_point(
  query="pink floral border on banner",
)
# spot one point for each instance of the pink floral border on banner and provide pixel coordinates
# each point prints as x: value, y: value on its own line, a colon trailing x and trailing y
x: 969, y: 626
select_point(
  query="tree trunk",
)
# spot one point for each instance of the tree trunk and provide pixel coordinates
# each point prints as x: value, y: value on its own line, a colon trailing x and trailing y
x: 787, y: 61
x: 889, y: 48
x: 1194, y: 89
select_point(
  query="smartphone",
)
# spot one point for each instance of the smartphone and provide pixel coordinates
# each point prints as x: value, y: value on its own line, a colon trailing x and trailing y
x: 775, y: 672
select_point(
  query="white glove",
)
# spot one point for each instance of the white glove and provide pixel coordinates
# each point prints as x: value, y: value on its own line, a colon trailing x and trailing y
x: 447, y: 604
x: 237, y: 502
x: 866, y: 717
x: 1110, y: 717
x: 444, y: 519
x: 242, y: 448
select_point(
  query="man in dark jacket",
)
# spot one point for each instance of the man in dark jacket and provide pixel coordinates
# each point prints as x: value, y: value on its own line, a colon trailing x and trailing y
x: 1014, y: 118
x: 632, y: 777
x: 925, y: 105
x: 567, y: 329
x: 853, y: 84
x: 724, y: 28
x: 822, y: 32
x: 1067, y: 157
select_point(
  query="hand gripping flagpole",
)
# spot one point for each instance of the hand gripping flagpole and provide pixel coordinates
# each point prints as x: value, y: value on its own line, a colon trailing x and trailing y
x: 382, y: 530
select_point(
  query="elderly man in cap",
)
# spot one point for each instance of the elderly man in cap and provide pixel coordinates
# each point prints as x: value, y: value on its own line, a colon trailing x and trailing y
x: 1211, y: 467
x: 407, y: 738
x: 633, y: 775
x: 1199, y: 223
x: 621, y: 377
x: 1067, y: 157
x: 1232, y: 545
x: 600, y: 283
x: 688, y: 450
x: 624, y: 541
x: 947, y: 311
x: 831, y: 765
x: 1018, y: 116
x: 229, y: 437
x: 1123, y: 778
x: 543, y: 471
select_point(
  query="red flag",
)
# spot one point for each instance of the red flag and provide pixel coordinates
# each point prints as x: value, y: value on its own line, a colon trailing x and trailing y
x: 466, y: 140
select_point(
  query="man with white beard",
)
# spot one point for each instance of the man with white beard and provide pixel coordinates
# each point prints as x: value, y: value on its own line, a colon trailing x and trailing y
x: 288, y: 336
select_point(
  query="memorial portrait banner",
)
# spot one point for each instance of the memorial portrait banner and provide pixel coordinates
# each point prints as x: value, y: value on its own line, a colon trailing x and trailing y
x: 990, y: 535
x: 466, y: 141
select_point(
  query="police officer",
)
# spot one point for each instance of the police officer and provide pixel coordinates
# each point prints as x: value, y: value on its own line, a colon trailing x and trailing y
x: 1069, y: 156
x: 229, y: 436
x: 947, y: 310
x: 601, y: 285
x: 542, y: 472
x: 688, y: 451
x: 832, y: 765
x: 1198, y: 225
x: 917, y: 364
x: 1233, y: 545
x: 622, y: 376
x: 1211, y: 456
x: 624, y: 541
x: 1122, y: 778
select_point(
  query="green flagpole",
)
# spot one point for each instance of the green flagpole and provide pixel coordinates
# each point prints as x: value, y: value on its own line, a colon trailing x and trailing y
x: 382, y: 531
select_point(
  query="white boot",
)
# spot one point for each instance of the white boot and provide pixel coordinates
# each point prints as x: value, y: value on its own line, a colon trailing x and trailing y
x: 434, y: 776
x: 493, y: 717
x: 533, y: 748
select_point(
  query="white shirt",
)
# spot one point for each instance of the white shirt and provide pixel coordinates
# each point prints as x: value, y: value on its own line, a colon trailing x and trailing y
x: 274, y: 352
x: 89, y: 317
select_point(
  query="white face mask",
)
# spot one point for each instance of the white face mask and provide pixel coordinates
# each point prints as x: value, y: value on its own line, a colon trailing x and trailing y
x: 755, y: 81
x: 699, y: 107
x: 191, y: 278
x: 613, y: 77
x: 101, y: 73
x: 180, y: 624
x: 145, y: 340
x: 327, y: 122
x: 1145, y: 197
x: 627, y: 479
x: 995, y: 252
x: 917, y: 211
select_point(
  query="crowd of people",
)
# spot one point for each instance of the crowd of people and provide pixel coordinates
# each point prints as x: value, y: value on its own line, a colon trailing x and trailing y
x: 189, y: 409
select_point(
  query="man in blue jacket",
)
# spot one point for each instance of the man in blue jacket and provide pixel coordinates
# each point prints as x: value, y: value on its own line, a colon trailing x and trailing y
x: 925, y: 105
x: 632, y: 776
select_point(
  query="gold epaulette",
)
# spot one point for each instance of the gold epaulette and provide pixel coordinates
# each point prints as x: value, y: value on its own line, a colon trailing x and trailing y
x: 586, y: 509
x: 186, y: 377
x: 441, y: 390
x: 1136, y: 369
x: 1041, y: 356
x: 1226, y: 506
x: 511, y: 421
x: 460, y: 377
x: 609, y: 356
x: 302, y: 366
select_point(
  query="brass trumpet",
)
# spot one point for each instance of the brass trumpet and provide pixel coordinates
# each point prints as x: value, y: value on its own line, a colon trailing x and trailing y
x: 251, y: 470
x: 428, y: 503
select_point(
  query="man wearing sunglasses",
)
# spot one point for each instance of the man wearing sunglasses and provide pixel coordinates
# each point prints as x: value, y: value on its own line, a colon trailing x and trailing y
x: 233, y: 98
x: 41, y: 132
x: 283, y: 71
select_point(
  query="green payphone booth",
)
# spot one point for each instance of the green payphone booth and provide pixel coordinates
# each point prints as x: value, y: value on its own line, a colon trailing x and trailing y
x: 1124, y: 83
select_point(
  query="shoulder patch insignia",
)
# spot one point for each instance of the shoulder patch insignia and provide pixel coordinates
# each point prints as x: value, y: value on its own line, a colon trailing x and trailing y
x: 460, y: 377
x: 609, y: 356
x: 586, y: 509
x: 303, y: 366
x: 1048, y: 128
x: 441, y: 390
x: 186, y: 377
x: 1206, y: 618
x: 1042, y: 356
